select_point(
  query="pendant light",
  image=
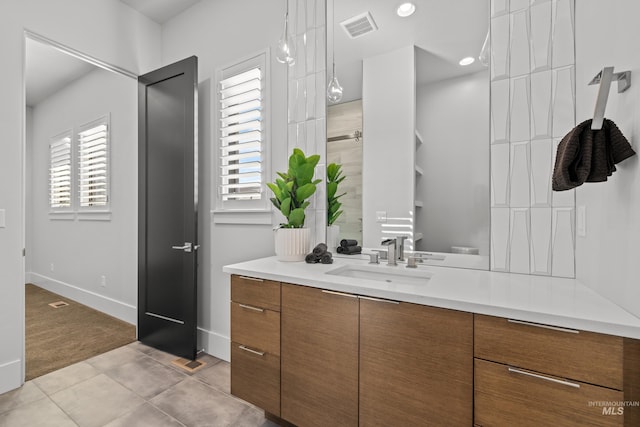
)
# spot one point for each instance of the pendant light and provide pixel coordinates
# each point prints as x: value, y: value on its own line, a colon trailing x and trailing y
x: 334, y: 90
x: 286, y: 50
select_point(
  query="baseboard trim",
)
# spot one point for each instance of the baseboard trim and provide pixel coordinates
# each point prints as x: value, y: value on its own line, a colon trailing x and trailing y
x: 214, y: 344
x: 11, y: 375
x: 110, y: 306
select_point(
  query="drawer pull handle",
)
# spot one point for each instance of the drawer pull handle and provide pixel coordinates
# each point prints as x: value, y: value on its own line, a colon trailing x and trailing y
x: 250, y: 307
x: 542, y: 377
x: 341, y: 294
x: 252, y: 278
x: 379, y: 300
x: 259, y: 353
x: 537, y: 325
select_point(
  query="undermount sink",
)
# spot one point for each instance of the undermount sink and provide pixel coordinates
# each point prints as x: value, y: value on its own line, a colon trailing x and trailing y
x: 383, y: 273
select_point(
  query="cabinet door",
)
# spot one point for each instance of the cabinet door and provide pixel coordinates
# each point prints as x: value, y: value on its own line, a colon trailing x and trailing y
x: 319, y: 357
x: 416, y: 365
x: 509, y: 396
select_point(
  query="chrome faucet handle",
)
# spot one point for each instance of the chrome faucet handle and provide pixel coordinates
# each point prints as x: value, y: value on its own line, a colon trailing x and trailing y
x: 413, y: 260
x: 374, y: 258
x: 391, y: 252
x: 400, y: 247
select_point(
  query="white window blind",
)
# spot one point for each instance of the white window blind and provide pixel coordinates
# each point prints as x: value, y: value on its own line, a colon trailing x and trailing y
x: 93, y: 164
x: 242, y: 136
x: 60, y: 172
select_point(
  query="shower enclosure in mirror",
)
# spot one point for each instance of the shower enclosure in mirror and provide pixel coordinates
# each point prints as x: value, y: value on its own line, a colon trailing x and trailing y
x: 412, y: 129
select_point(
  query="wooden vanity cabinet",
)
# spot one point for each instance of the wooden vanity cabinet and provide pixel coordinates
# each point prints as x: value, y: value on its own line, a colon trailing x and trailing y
x: 319, y: 357
x: 528, y: 374
x: 255, y: 342
x: 415, y: 365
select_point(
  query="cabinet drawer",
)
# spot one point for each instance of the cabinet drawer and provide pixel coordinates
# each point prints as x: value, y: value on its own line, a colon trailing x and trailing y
x: 507, y: 396
x: 583, y: 356
x: 257, y: 328
x: 257, y: 292
x: 255, y: 377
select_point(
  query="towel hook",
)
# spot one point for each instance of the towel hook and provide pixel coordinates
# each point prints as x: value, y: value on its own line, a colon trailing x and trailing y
x: 605, y: 77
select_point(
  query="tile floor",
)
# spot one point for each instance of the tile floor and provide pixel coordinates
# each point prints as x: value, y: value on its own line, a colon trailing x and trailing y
x: 134, y: 385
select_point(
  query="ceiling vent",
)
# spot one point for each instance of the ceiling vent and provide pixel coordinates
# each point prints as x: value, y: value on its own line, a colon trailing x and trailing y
x: 359, y: 25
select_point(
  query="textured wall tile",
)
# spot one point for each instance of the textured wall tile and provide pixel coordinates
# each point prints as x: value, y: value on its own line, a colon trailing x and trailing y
x: 301, y: 100
x: 310, y: 50
x: 562, y: 198
x: 500, y: 239
x: 518, y: 5
x: 519, y: 43
x: 500, y: 175
x: 540, y: 16
x: 520, y: 241
x: 301, y: 16
x: 563, y: 101
x: 311, y: 13
x: 563, y: 241
x: 311, y: 101
x: 499, y: 7
x: 519, y: 175
x: 562, y: 22
x: 300, y: 67
x: 310, y: 133
x: 541, y: 241
x: 519, y: 109
x: 321, y: 135
x: 321, y: 48
x: 541, y: 112
x: 321, y: 94
x: 292, y: 137
x: 292, y: 111
x: 500, y: 111
x: 541, y: 169
x: 500, y: 47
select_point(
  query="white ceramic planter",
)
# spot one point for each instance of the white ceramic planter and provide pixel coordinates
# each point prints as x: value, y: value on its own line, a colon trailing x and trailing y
x: 292, y: 244
x: 333, y: 237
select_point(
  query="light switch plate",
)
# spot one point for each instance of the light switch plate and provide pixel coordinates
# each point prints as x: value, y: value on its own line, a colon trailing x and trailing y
x: 581, y: 221
x: 3, y: 218
x: 381, y: 216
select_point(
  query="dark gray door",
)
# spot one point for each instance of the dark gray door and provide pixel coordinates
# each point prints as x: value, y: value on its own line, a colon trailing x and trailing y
x: 167, y: 208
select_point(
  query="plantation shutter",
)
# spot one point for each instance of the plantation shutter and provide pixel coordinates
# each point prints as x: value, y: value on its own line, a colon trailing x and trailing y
x: 60, y: 171
x: 93, y: 162
x: 242, y: 134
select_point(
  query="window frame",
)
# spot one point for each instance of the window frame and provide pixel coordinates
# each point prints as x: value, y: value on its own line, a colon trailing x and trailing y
x: 255, y: 211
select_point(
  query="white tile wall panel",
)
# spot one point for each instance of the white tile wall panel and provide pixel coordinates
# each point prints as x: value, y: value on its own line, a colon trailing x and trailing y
x: 519, y: 241
x: 563, y: 241
x: 500, y: 47
x: 500, y: 175
x: 292, y: 103
x: 300, y: 67
x: 519, y: 173
x: 561, y: 198
x: 499, y: 7
x: 301, y: 16
x: 500, y: 111
x: 540, y: 18
x: 310, y: 98
x: 541, y: 170
x: 540, y: 261
x: 541, y: 112
x: 301, y: 100
x: 519, y: 43
x: 500, y: 239
x: 321, y: 47
x: 562, y: 22
x: 519, y: 109
x: 310, y: 50
x: 311, y: 8
x: 321, y: 94
x: 517, y: 5
x: 563, y: 101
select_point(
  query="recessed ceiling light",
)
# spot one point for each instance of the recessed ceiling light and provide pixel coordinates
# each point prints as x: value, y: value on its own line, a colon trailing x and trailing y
x: 467, y: 61
x: 406, y: 9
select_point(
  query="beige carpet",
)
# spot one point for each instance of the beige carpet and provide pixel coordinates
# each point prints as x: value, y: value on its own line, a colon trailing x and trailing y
x: 59, y: 337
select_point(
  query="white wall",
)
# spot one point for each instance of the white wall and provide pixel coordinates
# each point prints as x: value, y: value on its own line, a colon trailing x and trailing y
x: 121, y: 37
x: 220, y: 34
x: 452, y: 117
x: 389, y: 127
x: 607, y: 258
x: 81, y: 251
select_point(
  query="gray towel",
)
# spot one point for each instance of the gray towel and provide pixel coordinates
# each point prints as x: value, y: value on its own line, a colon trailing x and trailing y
x: 586, y: 155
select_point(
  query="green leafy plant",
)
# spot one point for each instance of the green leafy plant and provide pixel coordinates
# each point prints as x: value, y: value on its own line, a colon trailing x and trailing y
x: 294, y: 187
x: 334, y: 177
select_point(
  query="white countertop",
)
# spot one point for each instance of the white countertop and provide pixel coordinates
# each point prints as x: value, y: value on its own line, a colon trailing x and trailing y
x: 548, y: 300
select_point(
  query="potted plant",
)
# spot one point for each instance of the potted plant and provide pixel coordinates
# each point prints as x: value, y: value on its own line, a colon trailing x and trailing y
x: 334, y: 177
x: 291, y: 191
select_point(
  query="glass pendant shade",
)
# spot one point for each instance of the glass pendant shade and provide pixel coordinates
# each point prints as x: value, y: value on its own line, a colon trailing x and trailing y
x: 286, y: 49
x: 485, y: 52
x: 334, y: 90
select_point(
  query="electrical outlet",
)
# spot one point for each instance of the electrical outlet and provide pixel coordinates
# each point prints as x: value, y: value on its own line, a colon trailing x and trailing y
x: 103, y: 281
x: 52, y: 269
x: 381, y: 216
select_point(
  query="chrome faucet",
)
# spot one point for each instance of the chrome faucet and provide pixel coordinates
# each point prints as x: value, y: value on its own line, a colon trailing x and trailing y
x: 400, y: 247
x: 391, y: 251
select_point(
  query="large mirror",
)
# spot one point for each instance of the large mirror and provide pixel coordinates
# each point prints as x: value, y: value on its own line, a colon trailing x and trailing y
x: 412, y: 128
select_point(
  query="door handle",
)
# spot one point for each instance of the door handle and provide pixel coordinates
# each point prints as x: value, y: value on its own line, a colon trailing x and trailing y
x: 188, y: 247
